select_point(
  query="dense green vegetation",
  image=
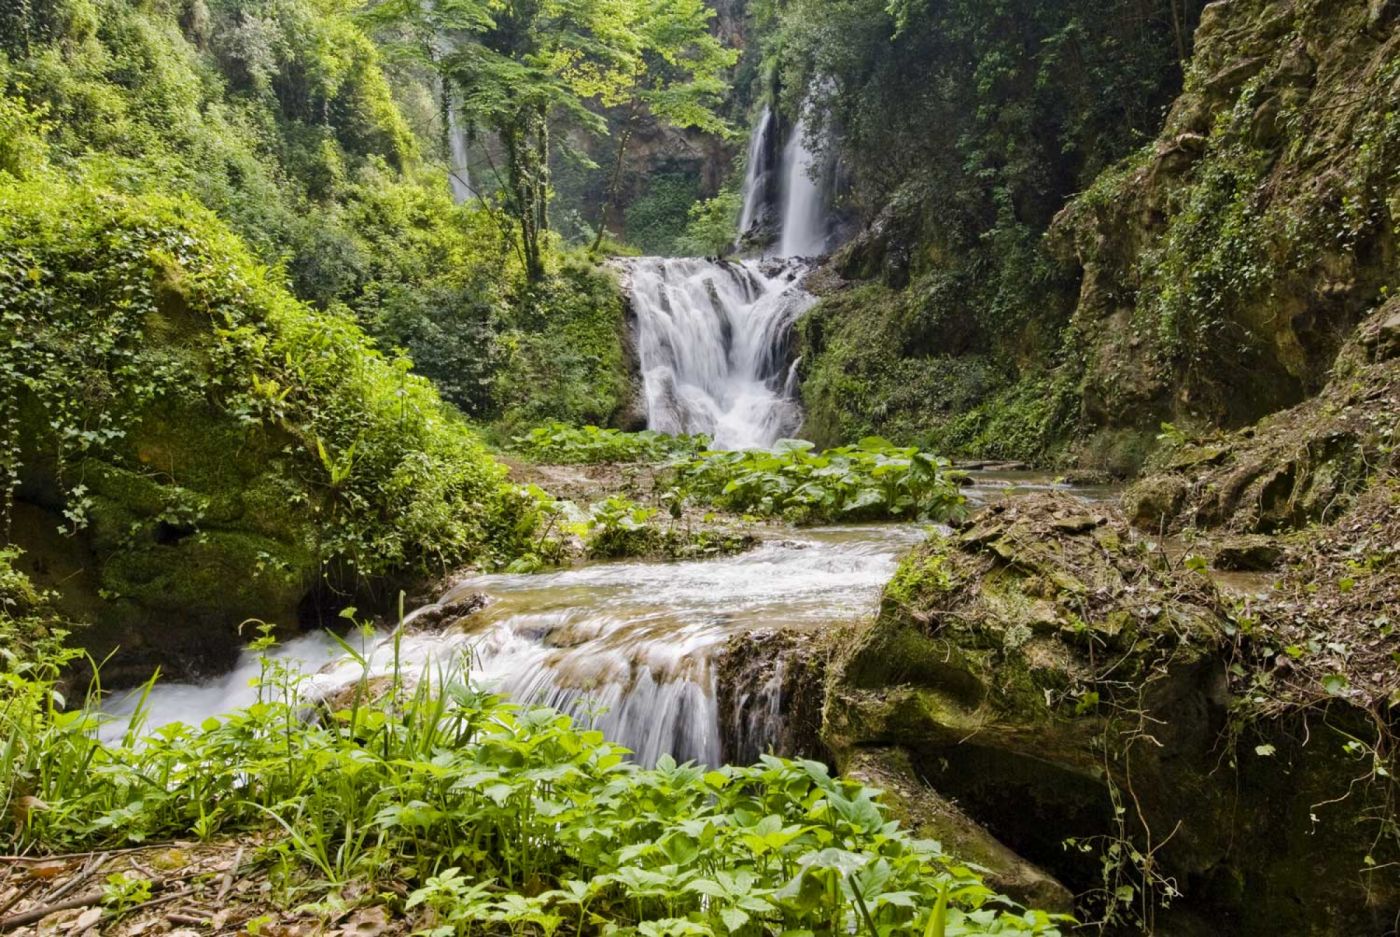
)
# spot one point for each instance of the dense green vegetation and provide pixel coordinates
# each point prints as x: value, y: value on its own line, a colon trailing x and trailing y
x: 131, y: 314
x: 323, y: 154
x: 490, y: 818
x: 964, y: 128
x: 871, y: 481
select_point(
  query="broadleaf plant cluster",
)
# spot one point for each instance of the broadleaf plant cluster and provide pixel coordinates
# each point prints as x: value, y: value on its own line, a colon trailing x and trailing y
x: 481, y: 817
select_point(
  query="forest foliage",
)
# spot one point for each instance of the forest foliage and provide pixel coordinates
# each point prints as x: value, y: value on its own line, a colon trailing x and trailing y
x: 962, y: 128
x: 479, y: 816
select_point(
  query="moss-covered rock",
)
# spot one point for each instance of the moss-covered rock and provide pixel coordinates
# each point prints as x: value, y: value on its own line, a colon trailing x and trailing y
x: 1301, y: 467
x: 1059, y: 679
x: 190, y: 447
x: 1224, y: 266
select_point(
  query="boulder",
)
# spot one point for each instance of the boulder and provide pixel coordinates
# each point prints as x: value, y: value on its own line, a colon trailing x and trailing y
x: 1064, y: 693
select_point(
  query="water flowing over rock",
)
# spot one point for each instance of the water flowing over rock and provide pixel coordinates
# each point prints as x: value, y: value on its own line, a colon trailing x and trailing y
x: 806, y: 222
x: 713, y: 342
x: 760, y: 181
x: 635, y: 648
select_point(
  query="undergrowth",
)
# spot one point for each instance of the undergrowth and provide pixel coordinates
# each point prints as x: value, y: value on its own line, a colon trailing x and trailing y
x: 473, y: 815
x: 562, y: 444
x: 870, y: 481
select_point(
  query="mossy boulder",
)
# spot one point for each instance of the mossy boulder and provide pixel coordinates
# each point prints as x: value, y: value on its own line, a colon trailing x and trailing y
x: 1059, y: 679
x: 188, y: 446
x: 1298, y: 468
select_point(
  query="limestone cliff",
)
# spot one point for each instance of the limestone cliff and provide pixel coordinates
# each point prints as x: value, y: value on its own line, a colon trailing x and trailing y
x: 1223, y: 266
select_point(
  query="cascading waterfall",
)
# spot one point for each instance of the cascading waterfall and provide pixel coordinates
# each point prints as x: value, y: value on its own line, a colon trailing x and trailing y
x: 459, y: 172
x: 634, y: 647
x: 713, y: 339
x: 758, y: 175
x: 805, y: 223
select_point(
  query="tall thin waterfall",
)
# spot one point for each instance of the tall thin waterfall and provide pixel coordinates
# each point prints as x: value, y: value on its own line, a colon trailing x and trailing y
x: 459, y: 172
x: 713, y: 342
x: 805, y: 229
x: 759, y: 172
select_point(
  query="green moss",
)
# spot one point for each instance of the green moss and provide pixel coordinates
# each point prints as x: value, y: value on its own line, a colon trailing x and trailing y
x: 217, y: 444
x: 904, y: 365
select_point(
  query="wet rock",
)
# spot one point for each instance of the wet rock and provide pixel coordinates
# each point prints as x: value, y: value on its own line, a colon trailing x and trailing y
x: 1248, y: 554
x: 1232, y: 76
x: 1153, y: 503
x: 1048, y: 674
x: 437, y: 617
x: 1300, y: 467
x: 769, y: 686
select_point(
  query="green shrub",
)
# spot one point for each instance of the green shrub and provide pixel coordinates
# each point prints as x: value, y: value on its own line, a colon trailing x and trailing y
x: 497, y: 817
x: 562, y: 353
x: 871, y: 481
x: 135, y: 318
x: 656, y: 220
x: 561, y: 444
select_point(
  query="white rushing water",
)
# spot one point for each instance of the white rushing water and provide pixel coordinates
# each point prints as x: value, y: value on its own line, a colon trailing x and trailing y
x: 758, y: 173
x: 459, y: 172
x: 634, y: 646
x: 712, y: 338
x: 805, y: 218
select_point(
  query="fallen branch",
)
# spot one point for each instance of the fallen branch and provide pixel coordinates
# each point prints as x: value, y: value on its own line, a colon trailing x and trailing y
x: 226, y: 883
x: 35, y: 915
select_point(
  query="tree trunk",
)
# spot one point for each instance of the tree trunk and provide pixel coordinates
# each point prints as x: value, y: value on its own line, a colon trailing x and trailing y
x: 615, y: 183
x: 523, y: 179
x: 1178, y: 27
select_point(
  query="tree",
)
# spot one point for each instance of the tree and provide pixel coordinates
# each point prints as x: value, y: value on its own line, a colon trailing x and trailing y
x: 681, y: 79
x: 520, y: 65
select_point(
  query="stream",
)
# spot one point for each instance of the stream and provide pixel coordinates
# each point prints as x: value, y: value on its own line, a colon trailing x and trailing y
x: 635, y: 647
x: 631, y: 646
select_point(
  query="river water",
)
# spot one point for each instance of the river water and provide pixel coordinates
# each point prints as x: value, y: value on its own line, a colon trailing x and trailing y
x: 633, y: 646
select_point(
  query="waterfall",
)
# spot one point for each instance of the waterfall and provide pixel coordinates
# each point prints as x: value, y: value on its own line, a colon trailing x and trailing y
x: 713, y: 339
x: 804, y: 230
x: 459, y: 171
x: 758, y: 174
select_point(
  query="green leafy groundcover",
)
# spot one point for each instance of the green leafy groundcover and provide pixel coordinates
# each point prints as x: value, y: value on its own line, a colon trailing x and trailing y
x: 562, y: 444
x: 495, y: 818
x: 871, y: 481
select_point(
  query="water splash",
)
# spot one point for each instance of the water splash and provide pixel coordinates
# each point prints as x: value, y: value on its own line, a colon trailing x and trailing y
x: 633, y: 647
x: 713, y: 338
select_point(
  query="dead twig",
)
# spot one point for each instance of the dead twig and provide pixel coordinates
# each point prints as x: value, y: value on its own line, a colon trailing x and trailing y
x: 226, y: 883
x: 93, y: 864
x: 35, y: 915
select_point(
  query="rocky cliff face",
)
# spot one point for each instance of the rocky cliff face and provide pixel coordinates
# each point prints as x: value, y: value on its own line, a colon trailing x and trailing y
x: 1207, y: 280
x: 1049, y: 693
x: 1222, y: 267
x: 1224, y: 741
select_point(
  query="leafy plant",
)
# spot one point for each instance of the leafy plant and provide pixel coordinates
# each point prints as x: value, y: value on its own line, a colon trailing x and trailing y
x: 561, y: 444
x: 618, y: 527
x: 498, y: 817
x: 872, y: 481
